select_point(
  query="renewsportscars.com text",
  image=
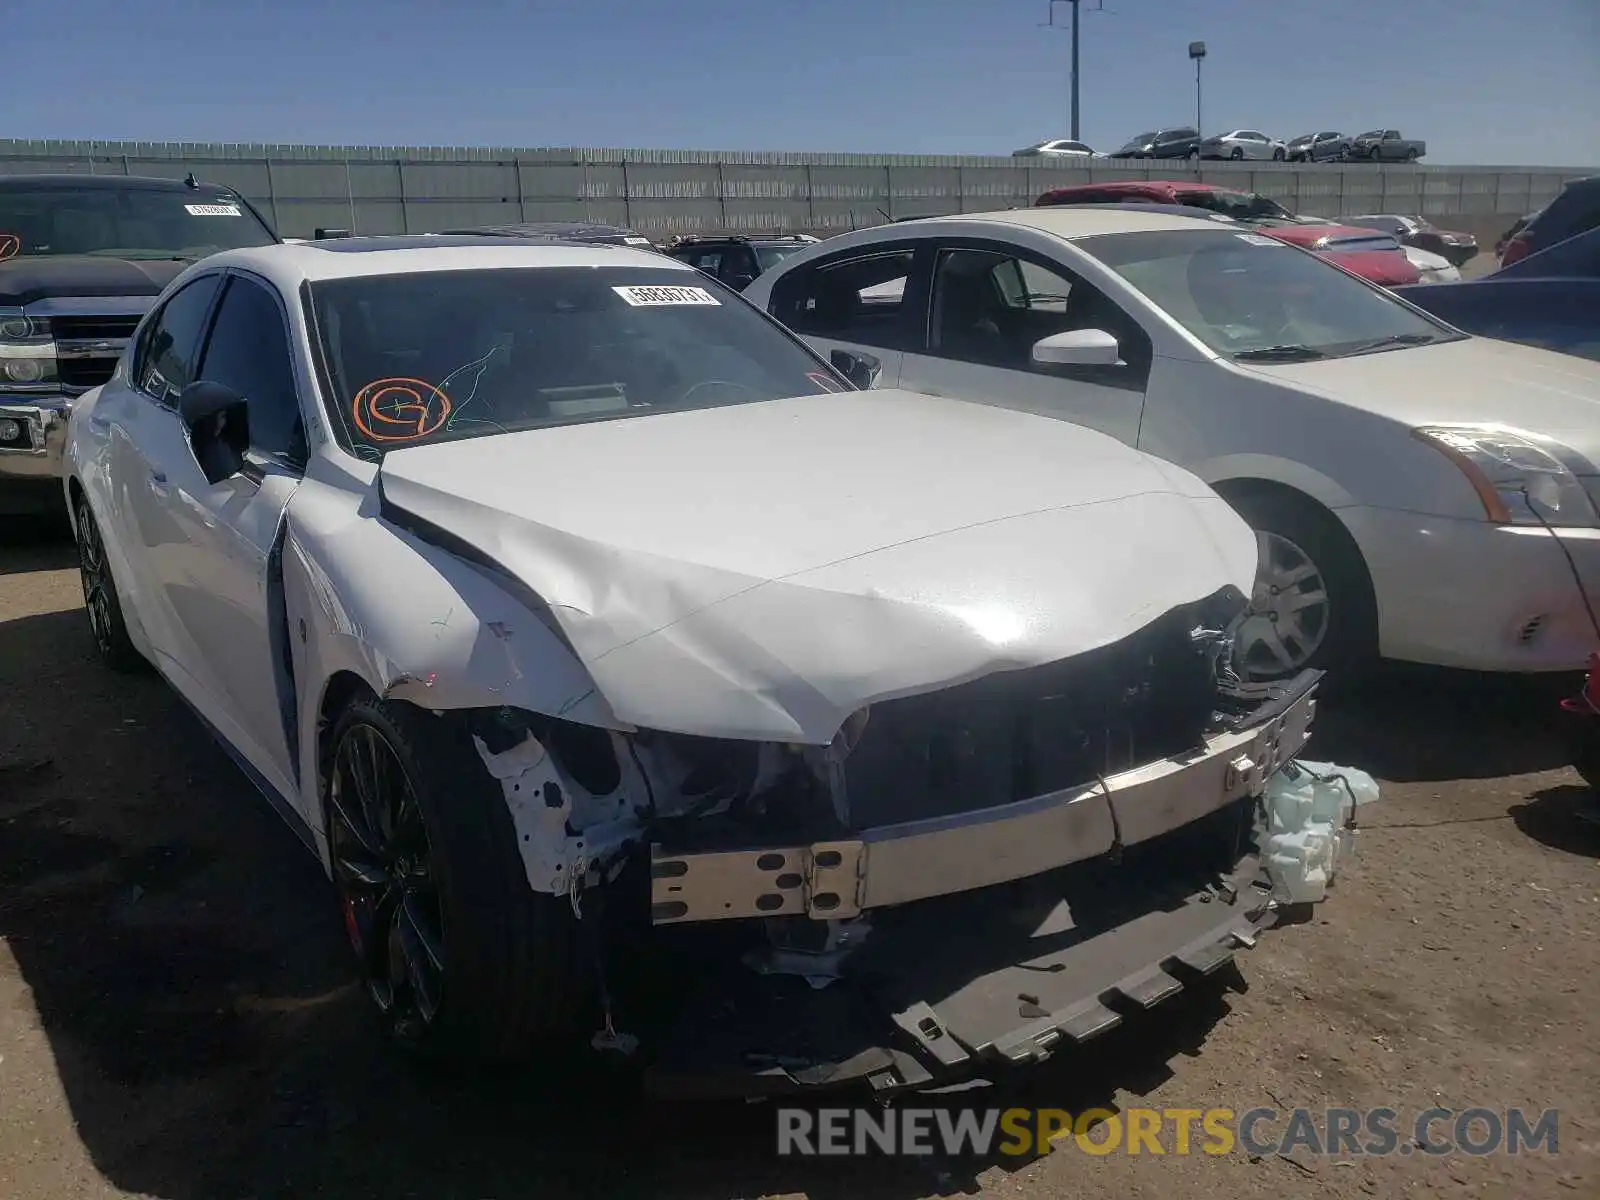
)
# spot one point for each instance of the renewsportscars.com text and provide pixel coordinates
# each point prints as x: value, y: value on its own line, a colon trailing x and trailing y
x: 1330, y: 1132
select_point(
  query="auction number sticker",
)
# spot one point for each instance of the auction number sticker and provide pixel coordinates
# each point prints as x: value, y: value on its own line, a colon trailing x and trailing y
x: 649, y: 297
x: 635, y: 241
x: 1258, y: 239
x: 212, y: 210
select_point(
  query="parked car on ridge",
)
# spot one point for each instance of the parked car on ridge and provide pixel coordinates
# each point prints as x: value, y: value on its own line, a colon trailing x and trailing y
x: 1386, y: 145
x: 1176, y: 141
x: 1243, y: 144
x: 1329, y: 146
x: 1057, y: 148
x: 1400, y: 472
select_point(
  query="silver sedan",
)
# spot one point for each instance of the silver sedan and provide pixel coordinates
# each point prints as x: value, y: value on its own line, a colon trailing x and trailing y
x: 1243, y: 143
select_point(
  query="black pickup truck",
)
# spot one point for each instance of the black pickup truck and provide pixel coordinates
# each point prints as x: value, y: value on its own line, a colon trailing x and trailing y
x: 82, y: 258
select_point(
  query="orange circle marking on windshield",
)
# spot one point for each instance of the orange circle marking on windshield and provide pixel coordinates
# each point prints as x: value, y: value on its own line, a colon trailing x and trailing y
x: 399, y: 410
x: 10, y: 246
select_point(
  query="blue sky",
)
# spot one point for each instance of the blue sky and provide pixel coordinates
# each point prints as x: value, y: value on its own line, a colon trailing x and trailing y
x: 1483, y: 83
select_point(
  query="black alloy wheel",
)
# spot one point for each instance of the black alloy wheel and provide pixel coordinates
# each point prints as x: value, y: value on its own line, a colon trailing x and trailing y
x: 100, y: 600
x: 383, y: 866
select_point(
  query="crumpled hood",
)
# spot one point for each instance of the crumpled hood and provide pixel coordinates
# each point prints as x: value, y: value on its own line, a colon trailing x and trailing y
x: 25, y: 280
x: 1472, y: 380
x: 763, y: 570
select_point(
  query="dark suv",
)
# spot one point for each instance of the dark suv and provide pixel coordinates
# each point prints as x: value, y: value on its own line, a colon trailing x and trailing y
x: 736, y: 259
x: 1176, y: 141
x: 82, y: 257
x: 1576, y: 210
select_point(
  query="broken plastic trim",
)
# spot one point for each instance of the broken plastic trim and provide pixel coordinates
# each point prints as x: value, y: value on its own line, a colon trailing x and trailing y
x: 899, y: 864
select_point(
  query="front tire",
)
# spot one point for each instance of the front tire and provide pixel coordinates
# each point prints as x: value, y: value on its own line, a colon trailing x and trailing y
x: 1238, y: 153
x: 464, y: 964
x: 100, y: 599
x: 1312, y: 605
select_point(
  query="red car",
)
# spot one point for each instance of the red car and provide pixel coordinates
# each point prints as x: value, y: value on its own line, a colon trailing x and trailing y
x: 1374, y: 256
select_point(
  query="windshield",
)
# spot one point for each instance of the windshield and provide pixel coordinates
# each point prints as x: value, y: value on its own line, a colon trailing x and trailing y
x: 1241, y: 206
x: 770, y: 256
x: 1251, y: 296
x: 1141, y: 139
x: 137, y: 223
x: 443, y: 355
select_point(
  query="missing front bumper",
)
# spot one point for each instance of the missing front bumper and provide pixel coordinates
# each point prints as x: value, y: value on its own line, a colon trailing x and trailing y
x: 898, y: 864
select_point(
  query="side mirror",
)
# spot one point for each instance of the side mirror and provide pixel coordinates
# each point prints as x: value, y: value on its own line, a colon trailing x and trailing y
x: 739, y: 282
x: 860, y: 369
x: 1077, y: 348
x: 219, y: 427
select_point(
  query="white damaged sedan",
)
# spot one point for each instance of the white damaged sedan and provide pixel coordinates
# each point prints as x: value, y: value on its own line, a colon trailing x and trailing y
x: 642, y: 684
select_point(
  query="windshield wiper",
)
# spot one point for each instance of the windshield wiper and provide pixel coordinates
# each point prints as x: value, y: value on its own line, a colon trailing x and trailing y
x: 1394, y: 339
x: 1286, y: 353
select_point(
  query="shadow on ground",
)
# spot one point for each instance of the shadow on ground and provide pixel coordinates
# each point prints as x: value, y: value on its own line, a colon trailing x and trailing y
x: 1415, y: 724
x: 36, y: 544
x: 1564, y: 818
x: 183, y: 954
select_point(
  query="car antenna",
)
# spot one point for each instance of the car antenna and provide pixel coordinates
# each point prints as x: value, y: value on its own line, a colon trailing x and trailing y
x: 189, y: 181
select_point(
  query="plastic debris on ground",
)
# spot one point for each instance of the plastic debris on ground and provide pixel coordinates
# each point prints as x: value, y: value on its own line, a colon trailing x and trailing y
x: 1306, y: 826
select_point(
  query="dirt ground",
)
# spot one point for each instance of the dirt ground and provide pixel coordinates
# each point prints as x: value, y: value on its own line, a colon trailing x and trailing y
x: 176, y: 1018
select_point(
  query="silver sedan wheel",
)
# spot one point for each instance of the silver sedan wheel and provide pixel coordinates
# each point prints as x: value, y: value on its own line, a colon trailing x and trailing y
x: 1288, y: 616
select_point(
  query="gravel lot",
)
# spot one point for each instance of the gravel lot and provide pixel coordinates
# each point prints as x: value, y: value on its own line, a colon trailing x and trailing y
x: 176, y: 1018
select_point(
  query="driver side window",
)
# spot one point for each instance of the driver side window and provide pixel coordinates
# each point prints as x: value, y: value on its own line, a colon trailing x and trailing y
x: 165, y: 360
x: 990, y: 307
x: 248, y: 351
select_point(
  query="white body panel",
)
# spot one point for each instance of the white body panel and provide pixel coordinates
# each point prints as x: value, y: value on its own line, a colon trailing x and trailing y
x: 751, y: 571
x: 1451, y: 589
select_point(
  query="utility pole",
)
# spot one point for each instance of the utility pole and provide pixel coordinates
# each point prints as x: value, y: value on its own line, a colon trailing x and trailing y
x: 1197, y: 51
x: 1076, y: 135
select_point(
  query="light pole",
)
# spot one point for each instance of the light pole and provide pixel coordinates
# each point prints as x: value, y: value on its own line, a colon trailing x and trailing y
x: 1197, y: 51
x: 1052, y: 21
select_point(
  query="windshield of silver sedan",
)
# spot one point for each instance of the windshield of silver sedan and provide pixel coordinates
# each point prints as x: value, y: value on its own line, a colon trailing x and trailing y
x: 443, y: 355
x: 1254, y: 298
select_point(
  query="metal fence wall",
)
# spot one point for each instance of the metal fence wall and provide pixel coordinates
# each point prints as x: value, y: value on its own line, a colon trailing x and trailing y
x: 409, y: 189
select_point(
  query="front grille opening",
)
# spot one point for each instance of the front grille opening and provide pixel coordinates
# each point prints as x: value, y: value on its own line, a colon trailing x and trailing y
x: 1020, y: 734
x: 93, y: 328
x: 85, y: 372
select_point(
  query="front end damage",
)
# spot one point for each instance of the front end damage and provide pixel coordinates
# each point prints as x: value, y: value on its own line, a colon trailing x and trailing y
x: 963, y: 879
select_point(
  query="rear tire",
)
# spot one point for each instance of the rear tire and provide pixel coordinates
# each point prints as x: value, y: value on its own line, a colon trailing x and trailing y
x: 1294, y: 532
x: 464, y: 964
x: 1277, y: 156
x: 100, y: 598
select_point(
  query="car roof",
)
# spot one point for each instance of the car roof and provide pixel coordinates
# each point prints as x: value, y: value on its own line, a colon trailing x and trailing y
x: 548, y: 229
x: 1087, y: 220
x: 291, y: 264
x: 1136, y: 187
x: 105, y: 183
